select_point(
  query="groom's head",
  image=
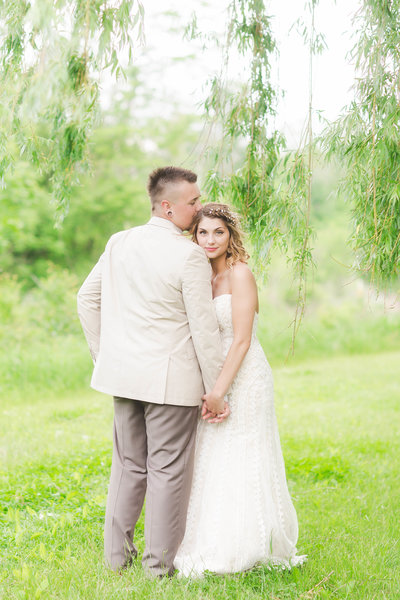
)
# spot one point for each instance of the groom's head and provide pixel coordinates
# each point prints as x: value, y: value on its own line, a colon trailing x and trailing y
x: 174, y: 195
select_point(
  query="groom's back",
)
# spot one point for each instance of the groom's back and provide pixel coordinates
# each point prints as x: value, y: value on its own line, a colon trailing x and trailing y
x: 143, y: 282
x: 146, y: 348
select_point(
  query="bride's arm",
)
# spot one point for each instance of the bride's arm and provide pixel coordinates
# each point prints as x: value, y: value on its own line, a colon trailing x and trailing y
x: 244, y: 306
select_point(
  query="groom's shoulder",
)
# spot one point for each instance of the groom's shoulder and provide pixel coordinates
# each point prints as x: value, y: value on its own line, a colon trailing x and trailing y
x: 183, y: 249
x: 195, y: 259
x: 188, y: 247
x: 179, y: 244
x: 195, y: 250
x: 125, y: 233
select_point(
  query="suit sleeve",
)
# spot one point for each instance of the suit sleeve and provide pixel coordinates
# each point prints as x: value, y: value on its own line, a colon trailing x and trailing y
x: 197, y: 297
x: 89, y: 307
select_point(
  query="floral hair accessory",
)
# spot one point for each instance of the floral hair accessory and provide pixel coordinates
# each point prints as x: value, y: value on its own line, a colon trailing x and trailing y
x: 222, y: 212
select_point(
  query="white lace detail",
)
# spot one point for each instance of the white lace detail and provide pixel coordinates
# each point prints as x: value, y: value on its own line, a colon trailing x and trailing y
x: 240, y: 511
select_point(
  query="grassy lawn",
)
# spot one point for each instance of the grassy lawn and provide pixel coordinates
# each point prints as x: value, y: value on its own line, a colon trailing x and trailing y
x: 339, y: 425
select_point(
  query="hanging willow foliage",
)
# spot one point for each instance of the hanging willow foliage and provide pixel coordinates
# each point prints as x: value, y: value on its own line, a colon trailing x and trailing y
x: 244, y: 116
x: 366, y: 138
x: 51, y: 54
x: 295, y: 173
x: 271, y: 188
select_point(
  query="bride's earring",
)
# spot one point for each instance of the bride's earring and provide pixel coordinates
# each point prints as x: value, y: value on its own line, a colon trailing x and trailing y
x: 169, y: 213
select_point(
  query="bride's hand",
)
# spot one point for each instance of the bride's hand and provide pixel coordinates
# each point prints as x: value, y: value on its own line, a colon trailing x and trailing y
x: 214, y: 403
x: 214, y: 407
x: 220, y: 416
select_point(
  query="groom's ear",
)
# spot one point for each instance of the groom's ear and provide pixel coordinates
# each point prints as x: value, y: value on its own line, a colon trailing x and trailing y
x: 165, y: 204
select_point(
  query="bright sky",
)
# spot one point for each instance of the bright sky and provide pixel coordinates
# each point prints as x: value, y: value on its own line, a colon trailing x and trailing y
x: 161, y: 61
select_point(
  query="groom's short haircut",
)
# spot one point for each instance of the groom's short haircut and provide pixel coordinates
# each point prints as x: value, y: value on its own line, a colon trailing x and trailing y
x: 162, y: 176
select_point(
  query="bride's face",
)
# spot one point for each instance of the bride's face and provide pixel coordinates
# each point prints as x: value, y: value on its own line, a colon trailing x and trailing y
x: 213, y: 236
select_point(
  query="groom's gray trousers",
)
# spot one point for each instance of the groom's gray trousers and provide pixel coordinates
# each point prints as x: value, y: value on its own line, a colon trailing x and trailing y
x: 154, y: 451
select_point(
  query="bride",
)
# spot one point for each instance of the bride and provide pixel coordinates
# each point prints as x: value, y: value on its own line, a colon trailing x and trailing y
x: 240, y: 512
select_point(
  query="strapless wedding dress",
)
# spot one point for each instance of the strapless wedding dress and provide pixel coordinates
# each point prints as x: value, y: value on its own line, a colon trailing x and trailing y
x: 240, y: 512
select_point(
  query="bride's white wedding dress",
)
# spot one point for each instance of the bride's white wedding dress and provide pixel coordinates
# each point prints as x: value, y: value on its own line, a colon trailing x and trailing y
x: 240, y: 512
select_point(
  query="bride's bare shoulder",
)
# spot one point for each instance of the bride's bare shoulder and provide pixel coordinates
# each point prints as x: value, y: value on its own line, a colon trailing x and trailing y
x: 242, y: 278
x: 244, y: 287
x: 241, y: 272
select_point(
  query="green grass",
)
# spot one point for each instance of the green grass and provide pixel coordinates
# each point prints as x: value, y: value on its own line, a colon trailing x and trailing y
x: 338, y: 421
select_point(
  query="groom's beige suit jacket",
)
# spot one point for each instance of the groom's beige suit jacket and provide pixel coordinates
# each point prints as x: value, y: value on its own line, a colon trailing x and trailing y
x: 147, y: 312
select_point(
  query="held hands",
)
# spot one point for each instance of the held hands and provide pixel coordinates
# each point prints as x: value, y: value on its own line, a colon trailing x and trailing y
x: 214, y: 409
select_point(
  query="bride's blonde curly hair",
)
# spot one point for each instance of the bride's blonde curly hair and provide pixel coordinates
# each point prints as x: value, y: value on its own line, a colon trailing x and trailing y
x: 236, y: 251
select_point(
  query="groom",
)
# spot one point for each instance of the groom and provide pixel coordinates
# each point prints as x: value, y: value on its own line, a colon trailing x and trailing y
x: 147, y: 313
